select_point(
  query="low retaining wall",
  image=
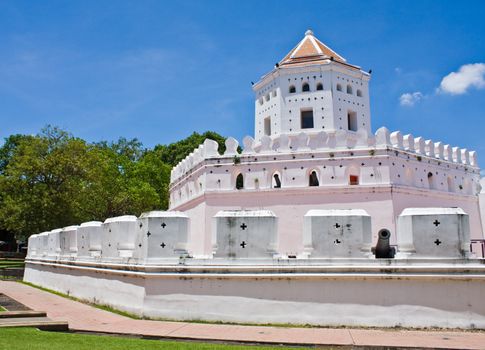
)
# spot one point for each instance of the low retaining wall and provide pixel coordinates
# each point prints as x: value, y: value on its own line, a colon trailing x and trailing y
x: 372, y: 295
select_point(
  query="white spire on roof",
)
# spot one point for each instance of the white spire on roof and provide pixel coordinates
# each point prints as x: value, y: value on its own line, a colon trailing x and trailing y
x: 309, y: 32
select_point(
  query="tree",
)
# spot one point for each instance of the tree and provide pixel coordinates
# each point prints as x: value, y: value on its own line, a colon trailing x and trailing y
x: 41, y: 181
x: 53, y: 179
x: 175, y: 152
x: 8, y: 148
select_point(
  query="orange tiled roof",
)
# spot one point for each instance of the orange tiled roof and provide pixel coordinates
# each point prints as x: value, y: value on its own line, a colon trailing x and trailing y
x: 310, y: 50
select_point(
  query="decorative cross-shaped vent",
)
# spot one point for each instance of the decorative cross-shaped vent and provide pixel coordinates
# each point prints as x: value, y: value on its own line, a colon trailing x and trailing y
x: 437, y: 242
x: 163, y: 245
x: 337, y: 241
x: 337, y: 225
x: 243, y: 226
x: 243, y: 244
x: 148, y: 234
x: 163, y: 225
x: 436, y: 223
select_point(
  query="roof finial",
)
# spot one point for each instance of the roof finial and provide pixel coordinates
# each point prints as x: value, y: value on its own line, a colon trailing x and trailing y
x: 309, y: 32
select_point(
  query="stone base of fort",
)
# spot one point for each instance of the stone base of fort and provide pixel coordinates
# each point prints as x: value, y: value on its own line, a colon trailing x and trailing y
x: 377, y: 293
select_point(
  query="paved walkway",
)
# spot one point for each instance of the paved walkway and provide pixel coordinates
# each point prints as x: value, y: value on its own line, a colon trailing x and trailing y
x: 83, y: 317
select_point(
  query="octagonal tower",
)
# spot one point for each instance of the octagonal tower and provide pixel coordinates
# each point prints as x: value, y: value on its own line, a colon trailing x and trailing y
x: 312, y: 89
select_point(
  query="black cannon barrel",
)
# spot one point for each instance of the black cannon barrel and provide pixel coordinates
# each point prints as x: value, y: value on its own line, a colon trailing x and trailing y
x: 383, y: 249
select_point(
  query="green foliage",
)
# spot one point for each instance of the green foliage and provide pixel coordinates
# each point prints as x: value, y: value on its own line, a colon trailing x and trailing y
x: 173, y: 153
x: 54, y: 179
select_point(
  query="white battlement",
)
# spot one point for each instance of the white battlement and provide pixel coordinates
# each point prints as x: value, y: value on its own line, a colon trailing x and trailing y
x: 325, y: 141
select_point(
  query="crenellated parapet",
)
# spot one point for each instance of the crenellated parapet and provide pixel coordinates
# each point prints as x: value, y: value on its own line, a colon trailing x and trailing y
x: 337, y: 158
x: 325, y: 141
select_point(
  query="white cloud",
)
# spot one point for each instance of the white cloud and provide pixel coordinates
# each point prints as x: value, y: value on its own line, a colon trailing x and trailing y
x: 410, y: 99
x: 468, y: 76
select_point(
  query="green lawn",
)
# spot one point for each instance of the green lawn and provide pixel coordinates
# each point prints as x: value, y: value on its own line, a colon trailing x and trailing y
x: 2, y: 309
x: 11, y: 263
x: 33, y: 339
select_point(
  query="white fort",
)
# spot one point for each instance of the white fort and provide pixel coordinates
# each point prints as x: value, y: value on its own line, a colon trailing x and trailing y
x: 317, y: 220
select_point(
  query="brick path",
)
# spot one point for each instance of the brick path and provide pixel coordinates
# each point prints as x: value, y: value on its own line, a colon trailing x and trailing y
x: 83, y: 317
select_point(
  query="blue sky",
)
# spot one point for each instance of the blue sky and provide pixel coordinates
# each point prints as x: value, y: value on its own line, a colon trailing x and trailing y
x: 158, y: 70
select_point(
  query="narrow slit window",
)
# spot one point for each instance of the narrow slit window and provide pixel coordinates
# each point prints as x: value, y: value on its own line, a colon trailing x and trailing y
x: 267, y: 126
x: 430, y: 180
x: 277, y: 181
x: 352, y: 121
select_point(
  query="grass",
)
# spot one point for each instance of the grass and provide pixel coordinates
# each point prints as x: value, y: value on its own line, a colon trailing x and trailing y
x: 4, y: 263
x: 33, y: 339
x: 2, y: 309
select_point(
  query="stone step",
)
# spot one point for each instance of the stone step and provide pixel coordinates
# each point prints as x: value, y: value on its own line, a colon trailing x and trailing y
x: 19, y: 314
x: 42, y: 323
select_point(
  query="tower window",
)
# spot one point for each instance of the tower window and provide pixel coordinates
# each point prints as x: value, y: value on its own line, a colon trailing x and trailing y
x: 349, y: 89
x: 239, y: 182
x: 305, y: 87
x: 267, y: 126
x: 292, y: 89
x: 274, y: 93
x: 319, y: 86
x: 352, y: 121
x: 359, y: 93
x: 307, y: 119
x: 339, y: 87
x: 313, y: 181
x: 267, y: 97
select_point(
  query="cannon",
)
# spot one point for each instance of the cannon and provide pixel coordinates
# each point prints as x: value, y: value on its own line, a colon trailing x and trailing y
x: 383, y: 249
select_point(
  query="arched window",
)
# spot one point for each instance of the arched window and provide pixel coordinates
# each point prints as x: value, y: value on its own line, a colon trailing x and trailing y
x: 267, y: 97
x: 274, y: 93
x: 261, y: 101
x: 430, y: 180
x: 313, y: 179
x: 359, y: 93
x: 349, y: 89
x: 276, y: 182
x: 339, y: 87
x: 319, y: 86
x: 305, y: 87
x: 239, y: 182
x: 292, y: 89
